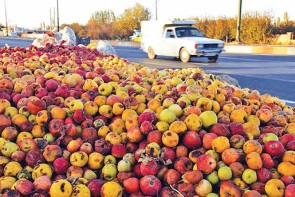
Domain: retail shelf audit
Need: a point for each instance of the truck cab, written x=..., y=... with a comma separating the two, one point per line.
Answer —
x=178, y=39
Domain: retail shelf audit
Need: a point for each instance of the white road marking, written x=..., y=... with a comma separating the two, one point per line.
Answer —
x=237, y=58
x=288, y=101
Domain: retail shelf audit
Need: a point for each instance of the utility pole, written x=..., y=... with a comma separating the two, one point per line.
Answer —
x=50, y=19
x=6, y=18
x=156, y=9
x=239, y=22
x=57, y=15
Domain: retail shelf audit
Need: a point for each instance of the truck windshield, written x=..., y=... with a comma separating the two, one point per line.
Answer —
x=188, y=32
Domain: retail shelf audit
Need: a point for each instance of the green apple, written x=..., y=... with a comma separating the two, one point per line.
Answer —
x=11, y=111
x=32, y=119
x=213, y=177
x=49, y=137
x=249, y=176
x=168, y=102
x=105, y=89
x=214, y=154
x=124, y=166
x=208, y=118
x=176, y=109
x=76, y=104
x=212, y=195
x=194, y=96
x=109, y=172
x=137, y=87
x=89, y=174
x=225, y=173
x=269, y=136
x=175, y=81
x=24, y=111
x=203, y=188
x=167, y=115
x=118, y=89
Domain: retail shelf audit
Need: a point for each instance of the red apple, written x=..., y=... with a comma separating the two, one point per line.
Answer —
x=236, y=128
x=258, y=186
x=95, y=187
x=192, y=140
x=150, y=185
x=33, y=157
x=267, y=161
x=102, y=146
x=34, y=106
x=187, y=189
x=220, y=129
x=291, y=145
x=89, y=135
x=131, y=185
x=263, y=175
x=288, y=137
x=183, y=164
x=228, y=188
x=25, y=187
x=51, y=85
x=118, y=150
x=274, y=148
x=149, y=168
x=206, y=163
x=60, y=165
x=171, y=177
x=147, y=116
x=207, y=140
x=288, y=180
x=290, y=190
x=146, y=127
x=168, y=154
x=154, y=136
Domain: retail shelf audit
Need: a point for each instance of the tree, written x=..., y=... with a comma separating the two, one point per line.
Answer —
x=92, y=30
x=286, y=17
x=131, y=18
x=104, y=16
x=77, y=28
x=221, y=28
x=256, y=27
x=101, y=25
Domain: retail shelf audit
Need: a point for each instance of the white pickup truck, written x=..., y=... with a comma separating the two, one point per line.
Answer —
x=177, y=38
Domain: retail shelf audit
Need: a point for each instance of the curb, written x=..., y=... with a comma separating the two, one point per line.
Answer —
x=277, y=50
x=248, y=49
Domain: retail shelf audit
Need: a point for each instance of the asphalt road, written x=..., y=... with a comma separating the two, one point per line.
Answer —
x=272, y=74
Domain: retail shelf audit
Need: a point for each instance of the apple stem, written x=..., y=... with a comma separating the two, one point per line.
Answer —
x=176, y=190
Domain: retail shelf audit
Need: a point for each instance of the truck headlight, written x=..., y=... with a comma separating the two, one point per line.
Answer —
x=221, y=45
x=199, y=46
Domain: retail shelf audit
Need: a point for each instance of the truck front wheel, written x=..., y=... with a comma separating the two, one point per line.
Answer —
x=151, y=53
x=184, y=55
x=213, y=59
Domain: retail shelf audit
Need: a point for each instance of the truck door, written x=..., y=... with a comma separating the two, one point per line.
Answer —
x=169, y=43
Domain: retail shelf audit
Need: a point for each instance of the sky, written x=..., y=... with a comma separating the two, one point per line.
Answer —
x=31, y=13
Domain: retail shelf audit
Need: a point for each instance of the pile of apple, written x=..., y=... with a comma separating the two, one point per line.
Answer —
x=76, y=122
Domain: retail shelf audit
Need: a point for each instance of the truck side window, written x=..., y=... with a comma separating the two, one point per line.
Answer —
x=169, y=33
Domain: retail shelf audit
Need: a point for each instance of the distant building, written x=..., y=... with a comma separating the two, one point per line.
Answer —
x=287, y=38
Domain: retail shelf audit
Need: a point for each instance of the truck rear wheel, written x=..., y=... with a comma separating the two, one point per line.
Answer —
x=213, y=59
x=184, y=55
x=151, y=53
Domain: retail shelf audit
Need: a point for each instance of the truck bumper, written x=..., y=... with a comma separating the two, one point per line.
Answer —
x=207, y=53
